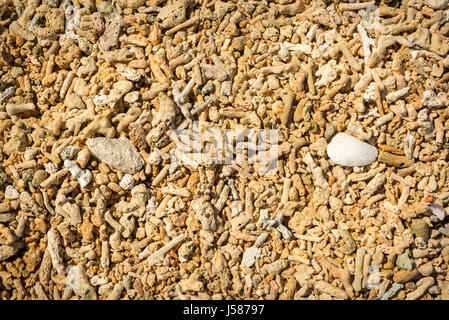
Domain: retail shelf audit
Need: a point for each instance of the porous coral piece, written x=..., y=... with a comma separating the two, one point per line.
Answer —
x=117, y=153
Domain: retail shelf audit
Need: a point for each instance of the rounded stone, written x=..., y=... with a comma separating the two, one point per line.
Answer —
x=426, y=270
x=69, y=152
x=39, y=176
x=346, y=150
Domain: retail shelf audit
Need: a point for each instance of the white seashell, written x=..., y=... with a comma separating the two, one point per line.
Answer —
x=349, y=151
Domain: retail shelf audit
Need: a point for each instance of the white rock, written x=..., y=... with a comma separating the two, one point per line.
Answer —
x=84, y=177
x=50, y=167
x=127, y=182
x=129, y=73
x=100, y=99
x=155, y=158
x=73, y=167
x=437, y=210
x=431, y=100
x=349, y=151
x=30, y=154
x=78, y=281
x=370, y=93
x=11, y=193
x=132, y=97
x=250, y=256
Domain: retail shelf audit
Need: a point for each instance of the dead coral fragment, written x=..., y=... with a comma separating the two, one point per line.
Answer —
x=117, y=153
x=13, y=109
x=394, y=160
x=205, y=213
x=291, y=9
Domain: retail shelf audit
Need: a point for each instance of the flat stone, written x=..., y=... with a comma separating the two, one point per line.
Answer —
x=117, y=153
x=349, y=151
